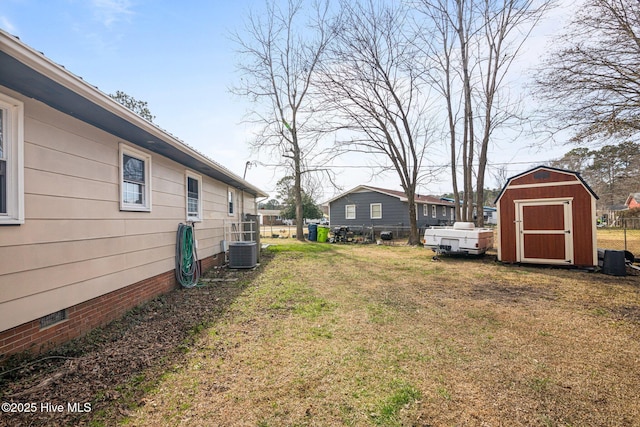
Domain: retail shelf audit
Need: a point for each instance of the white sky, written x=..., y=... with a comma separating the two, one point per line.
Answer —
x=177, y=56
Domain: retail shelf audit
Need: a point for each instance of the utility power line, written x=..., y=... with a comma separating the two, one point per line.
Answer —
x=492, y=164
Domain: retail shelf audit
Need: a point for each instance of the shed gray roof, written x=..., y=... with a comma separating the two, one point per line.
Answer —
x=32, y=74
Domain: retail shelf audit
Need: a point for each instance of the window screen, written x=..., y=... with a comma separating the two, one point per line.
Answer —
x=230, y=202
x=133, y=180
x=193, y=197
x=3, y=168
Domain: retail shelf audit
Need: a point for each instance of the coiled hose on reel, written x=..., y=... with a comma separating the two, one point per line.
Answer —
x=187, y=267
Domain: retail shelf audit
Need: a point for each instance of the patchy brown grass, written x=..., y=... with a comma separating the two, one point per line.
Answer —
x=113, y=367
x=355, y=335
x=378, y=335
x=614, y=238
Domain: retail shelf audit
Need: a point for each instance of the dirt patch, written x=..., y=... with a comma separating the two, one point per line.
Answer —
x=510, y=294
x=627, y=313
x=99, y=376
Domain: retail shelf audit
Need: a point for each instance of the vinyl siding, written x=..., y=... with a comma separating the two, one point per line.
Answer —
x=394, y=211
x=76, y=243
x=428, y=220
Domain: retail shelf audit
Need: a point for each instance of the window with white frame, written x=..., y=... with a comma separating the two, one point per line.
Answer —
x=135, y=179
x=434, y=211
x=194, y=196
x=375, y=210
x=425, y=210
x=444, y=211
x=350, y=212
x=453, y=214
x=3, y=166
x=230, y=200
x=11, y=161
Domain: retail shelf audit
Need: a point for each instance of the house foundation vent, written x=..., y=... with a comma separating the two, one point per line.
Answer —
x=53, y=318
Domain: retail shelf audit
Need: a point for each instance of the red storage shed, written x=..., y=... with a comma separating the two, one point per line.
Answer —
x=547, y=216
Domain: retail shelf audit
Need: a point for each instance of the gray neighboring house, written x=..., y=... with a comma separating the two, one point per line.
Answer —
x=366, y=206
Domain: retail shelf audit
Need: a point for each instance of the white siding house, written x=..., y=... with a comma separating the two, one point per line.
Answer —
x=91, y=196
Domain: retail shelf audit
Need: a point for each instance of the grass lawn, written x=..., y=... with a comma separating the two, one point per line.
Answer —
x=332, y=335
x=614, y=238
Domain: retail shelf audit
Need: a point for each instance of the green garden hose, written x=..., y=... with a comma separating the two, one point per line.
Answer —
x=187, y=267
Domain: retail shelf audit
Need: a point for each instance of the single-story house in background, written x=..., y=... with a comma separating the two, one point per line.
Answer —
x=633, y=201
x=91, y=199
x=547, y=216
x=490, y=215
x=372, y=206
x=270, y=217
x=610, y=215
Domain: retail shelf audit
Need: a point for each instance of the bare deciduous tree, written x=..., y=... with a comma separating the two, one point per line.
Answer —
x=280, y=52
x=592, y=82
x=372, y=86
x=612, y=171
x=474, y=43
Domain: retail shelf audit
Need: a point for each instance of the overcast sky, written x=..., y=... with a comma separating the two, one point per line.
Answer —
x=177, y=56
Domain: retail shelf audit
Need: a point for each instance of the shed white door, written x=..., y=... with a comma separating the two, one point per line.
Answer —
x=544, y=231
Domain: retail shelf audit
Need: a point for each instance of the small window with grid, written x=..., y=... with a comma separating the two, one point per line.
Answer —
x=194, y=197
x=350, y=212
x=135, y=174
x=376, y=210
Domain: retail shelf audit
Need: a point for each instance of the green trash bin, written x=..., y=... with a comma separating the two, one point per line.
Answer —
x=323, y=233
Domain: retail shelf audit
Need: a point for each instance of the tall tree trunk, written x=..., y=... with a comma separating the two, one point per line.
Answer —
x=486, y=36
x=453, y=145
x=297, y=188
x=414, y=235
x=469, y=142
x=468, y=136
x=279, y=66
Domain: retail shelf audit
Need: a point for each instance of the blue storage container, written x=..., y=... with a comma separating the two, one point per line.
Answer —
x=313, y=232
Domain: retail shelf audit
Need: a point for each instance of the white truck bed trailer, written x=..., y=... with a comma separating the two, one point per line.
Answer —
x=462, y=238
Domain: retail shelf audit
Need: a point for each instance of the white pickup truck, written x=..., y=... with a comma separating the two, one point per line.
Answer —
x=462, y=238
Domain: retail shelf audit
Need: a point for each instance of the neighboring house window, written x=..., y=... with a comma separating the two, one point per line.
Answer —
x=376, y=210
x=453, y=214
x=434, y=211
x=350, y=212
x=230, y=199
x=194, y=197
x=425, y=210
x=135, y=170
x=444, y=211
x=11, y=161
